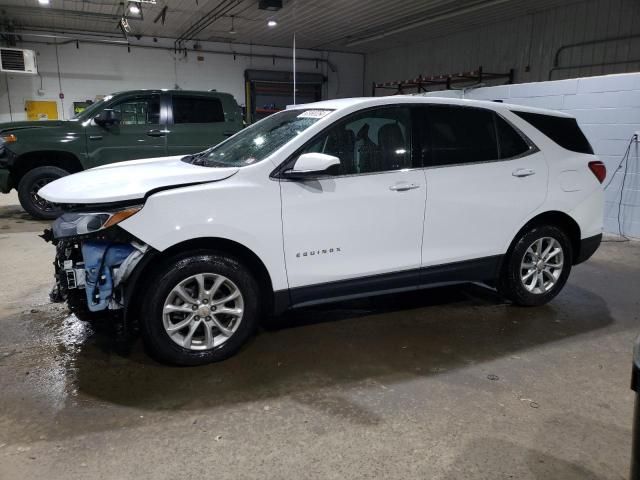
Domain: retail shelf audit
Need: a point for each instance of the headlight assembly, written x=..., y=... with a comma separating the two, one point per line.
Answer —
x=9, y=138
x=81, y=223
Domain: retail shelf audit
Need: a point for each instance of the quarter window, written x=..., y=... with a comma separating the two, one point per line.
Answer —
x=197, y=110
x=139, y=111
x=376, y=140
x=562, y=130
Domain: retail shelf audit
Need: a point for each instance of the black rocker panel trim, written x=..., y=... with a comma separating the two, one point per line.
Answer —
x=480, y=269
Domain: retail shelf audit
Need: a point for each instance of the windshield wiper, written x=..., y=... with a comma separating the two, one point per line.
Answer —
x=195, y=158
x=201, y=160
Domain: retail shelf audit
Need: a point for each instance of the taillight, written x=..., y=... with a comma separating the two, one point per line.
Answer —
x=599, y=170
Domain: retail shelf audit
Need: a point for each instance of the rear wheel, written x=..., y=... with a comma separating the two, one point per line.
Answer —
x=28, y=188
x=202, y=309
x=537, y=267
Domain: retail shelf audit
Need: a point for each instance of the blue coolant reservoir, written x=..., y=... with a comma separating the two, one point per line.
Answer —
x=99, y=260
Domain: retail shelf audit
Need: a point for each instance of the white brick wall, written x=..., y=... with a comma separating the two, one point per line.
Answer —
x=608, y=111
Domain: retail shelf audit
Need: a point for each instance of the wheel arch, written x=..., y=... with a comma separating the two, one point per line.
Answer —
x=558, y=219
x=152, y=263
x=44, y=158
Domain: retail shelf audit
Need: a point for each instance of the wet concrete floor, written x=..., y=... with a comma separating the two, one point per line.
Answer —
x=446, y=383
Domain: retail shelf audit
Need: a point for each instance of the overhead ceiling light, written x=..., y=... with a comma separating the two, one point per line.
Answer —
x=272, y=23
x=134, y=9
x=43, y=2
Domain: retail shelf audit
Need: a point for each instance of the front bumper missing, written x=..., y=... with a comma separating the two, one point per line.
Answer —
x=97, y=269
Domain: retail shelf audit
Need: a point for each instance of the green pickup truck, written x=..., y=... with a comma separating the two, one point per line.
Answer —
x=123, y=126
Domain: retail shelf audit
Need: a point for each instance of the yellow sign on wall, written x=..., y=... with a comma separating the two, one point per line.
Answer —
x=41, y=109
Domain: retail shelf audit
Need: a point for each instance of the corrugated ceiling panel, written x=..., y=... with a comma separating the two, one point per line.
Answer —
x=326, y=24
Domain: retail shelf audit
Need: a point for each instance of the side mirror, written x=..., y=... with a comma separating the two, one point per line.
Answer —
x=311, y=165
x=106, y=118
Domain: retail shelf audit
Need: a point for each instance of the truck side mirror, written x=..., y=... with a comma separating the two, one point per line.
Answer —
x=106, y=118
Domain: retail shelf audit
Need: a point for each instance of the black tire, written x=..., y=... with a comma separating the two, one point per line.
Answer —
x=30, y=183
x=158, y=342
x=510, y=283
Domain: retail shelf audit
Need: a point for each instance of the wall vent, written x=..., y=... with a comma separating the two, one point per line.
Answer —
x=17, y=60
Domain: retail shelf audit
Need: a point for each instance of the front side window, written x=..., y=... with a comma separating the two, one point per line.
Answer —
x=257, y=142
x=91, y=109
x=460, y=135
x=197, y=110
x=138, y=110
x=375, y=140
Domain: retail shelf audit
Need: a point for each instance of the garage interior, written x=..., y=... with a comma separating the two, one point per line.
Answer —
x=446, y=383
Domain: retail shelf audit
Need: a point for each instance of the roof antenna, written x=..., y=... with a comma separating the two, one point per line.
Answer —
x=294, y=68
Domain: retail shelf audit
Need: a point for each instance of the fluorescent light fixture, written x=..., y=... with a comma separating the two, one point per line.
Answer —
x=272, y=23
x=134, y=9
x=43, y=2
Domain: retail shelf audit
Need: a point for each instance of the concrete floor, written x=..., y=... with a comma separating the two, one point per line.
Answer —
x=442, y=384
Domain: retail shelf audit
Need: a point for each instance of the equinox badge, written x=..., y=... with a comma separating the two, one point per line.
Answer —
x=324, y=251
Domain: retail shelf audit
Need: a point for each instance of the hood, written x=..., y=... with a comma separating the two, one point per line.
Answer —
x=12, y=126
x=131, y=180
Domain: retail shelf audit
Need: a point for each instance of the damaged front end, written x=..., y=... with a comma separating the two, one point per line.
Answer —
x=94, y=259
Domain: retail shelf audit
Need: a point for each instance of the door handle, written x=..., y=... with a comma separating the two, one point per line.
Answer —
x=95, y=137
x=228, y=134
x=157, y=133
x=403, y=187
x=523, y=172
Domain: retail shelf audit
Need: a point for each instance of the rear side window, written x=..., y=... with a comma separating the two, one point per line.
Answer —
x=562, y=130
x=510, y=142
x=460, y=135
x=197, y=110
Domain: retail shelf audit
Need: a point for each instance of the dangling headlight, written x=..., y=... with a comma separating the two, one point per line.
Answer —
x=81, y=223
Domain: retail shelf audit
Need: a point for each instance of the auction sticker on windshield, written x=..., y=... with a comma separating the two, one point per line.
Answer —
x=314, y=113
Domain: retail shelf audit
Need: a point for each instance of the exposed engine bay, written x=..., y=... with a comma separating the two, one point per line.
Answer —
x=92, y=262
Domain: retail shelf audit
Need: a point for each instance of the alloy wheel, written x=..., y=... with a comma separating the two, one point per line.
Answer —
x=542, y=265
x=203, y=311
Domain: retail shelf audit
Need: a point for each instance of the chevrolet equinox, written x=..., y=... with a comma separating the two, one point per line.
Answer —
x=327, y=201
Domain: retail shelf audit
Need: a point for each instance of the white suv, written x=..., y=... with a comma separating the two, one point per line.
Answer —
x=328, y=201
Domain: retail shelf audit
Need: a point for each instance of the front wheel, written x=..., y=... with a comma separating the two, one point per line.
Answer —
x=537, y=266
x=201, y=309
x=28, y=188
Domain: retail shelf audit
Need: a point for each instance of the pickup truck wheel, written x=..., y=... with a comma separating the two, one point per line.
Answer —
x=28, y=187
x=201, y=309
x=537, y=267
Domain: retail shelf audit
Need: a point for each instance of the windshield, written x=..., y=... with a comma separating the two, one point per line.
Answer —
x=257, y=142
x=91, y=109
